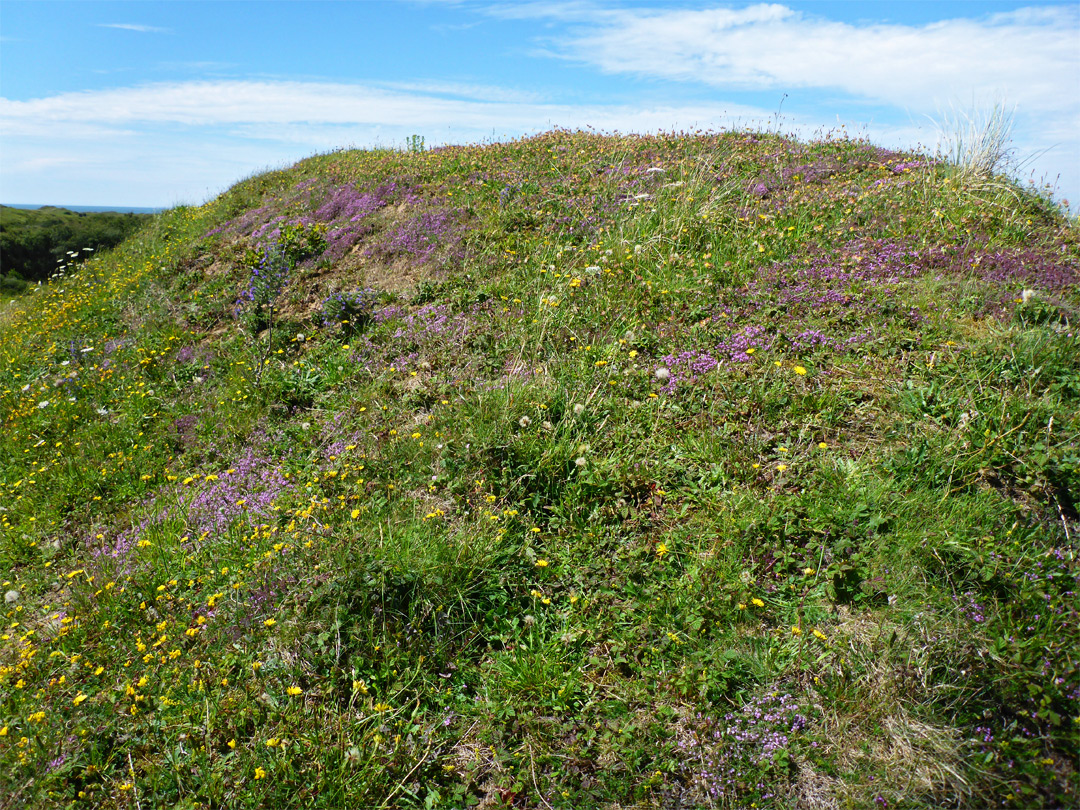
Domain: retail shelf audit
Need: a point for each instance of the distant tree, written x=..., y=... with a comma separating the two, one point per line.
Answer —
x=34, y=243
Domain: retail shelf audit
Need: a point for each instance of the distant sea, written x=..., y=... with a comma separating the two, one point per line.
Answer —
x=91, y=209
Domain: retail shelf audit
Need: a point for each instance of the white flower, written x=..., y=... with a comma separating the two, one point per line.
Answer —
x=579, y=409
x=662, y=374
x=43, y=404
x=581, y=461
x=524, y=421
x=1027, y=295
x=11, y=597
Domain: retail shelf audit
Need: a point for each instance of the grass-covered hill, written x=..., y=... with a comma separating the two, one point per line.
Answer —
x=581, y=471
x=37, y=243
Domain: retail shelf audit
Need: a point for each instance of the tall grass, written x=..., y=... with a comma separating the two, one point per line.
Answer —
x=978, y=144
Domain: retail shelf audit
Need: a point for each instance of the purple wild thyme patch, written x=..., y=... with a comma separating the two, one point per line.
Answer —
x=1007, y=271
x=688, y=366
x=244, y=493
x=735, y=758
x=247, y=491
x=422, y=235
x=342, y=209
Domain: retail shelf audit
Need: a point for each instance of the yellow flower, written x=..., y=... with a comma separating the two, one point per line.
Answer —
x=260, y=773
x=661, y=550
x=823, y=446
x=820, y=635
x=757, y=602
x=800, y=371
x=294, y=690
x=273, y=742
x=232, y=743
x=541, y=563
x=781, y=467
x=270, y=622
x=355, y=514
x=79, y=699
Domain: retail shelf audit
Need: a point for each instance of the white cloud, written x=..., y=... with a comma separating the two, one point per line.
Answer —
x=142, y=29
x=1030, y=57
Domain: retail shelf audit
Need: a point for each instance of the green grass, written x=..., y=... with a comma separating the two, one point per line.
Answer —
x=714, y=471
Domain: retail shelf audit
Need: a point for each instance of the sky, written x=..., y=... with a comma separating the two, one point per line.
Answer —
x=157, y=104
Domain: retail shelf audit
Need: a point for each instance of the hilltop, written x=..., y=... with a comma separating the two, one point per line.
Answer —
x=690, y=470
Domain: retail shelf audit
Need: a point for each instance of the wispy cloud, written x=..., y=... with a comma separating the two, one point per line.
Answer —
x=142, y=29
x=203, y=66
x=189, y=139
x=476, y=92
x=220, y=103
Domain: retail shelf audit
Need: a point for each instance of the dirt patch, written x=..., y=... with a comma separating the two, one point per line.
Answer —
x=400, y=275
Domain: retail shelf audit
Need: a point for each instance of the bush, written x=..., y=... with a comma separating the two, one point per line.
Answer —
x=12, y=285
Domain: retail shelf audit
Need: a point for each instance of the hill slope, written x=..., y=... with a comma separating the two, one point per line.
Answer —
x=700, y=470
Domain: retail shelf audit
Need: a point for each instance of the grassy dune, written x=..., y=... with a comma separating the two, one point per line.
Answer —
x=713, y=470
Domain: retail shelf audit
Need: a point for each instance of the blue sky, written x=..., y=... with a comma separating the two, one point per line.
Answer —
x=159, y=103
